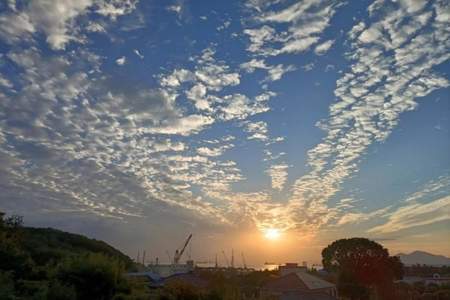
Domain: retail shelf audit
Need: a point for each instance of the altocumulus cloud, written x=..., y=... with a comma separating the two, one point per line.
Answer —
x=76, y=137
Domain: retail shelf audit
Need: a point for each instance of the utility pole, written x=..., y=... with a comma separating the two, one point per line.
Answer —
x=170, y=258
x=138, y=257
x=232, y=258
x=143, y=258
x=226, y=258
x=243, y=261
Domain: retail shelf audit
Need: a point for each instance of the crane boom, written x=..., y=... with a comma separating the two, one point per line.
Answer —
x=178, y=254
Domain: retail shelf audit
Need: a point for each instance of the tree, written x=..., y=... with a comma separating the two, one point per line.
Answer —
x=360, y=262
x=12, y=257
x=93, y=276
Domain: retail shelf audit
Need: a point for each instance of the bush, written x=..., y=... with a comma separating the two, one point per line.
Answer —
x=6, y=286
x=60, y=291
x=93, y=276
x=178, y=290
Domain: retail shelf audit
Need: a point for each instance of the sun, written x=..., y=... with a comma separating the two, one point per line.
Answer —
x=272, y=234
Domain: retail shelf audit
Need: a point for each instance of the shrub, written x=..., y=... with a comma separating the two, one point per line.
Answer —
x=93, y=276
x=60, y=291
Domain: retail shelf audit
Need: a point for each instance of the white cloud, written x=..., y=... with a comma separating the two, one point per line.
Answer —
x=253, y=64
x=121, y=61
x=57, y=20
x=306, y=21
x=216, y=76
x=416, y=214
x=184, y=125
x=324, y=47
x=198, y=95
x=359, y=217
x=14, y=27
x=5, y=82
x=175, y=8
x=138, y=53
x=115, y=8
x=207, y=151
x=379, y=87
x=224, y=26
x=276, y=72
x=278, y=175
x=239, y=106
x=258, y=130
x=95, y=27
x=435, y=187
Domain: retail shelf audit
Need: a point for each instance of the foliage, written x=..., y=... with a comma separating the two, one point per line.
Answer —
x=44, y=263
x=349, y=286
x=94, y=276
x=180, y=291
x=362, y=264
x=61, y=291
x=6, y=286
x=46, y=245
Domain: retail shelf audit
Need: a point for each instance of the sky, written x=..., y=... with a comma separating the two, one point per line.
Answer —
x=139, y=122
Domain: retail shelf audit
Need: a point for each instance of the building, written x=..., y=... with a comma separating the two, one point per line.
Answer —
x=294, y=283
x=288, y=268
x=435, y=279
x=171, y=269
x=438, y=280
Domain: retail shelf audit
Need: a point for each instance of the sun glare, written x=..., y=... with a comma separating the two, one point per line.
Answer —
x=272, y=234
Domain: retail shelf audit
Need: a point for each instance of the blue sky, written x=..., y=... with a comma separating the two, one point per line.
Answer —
x=141, y=121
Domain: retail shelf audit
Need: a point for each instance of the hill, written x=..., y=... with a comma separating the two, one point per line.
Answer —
x=48, y=244
x=424, y=258
x=46, y=263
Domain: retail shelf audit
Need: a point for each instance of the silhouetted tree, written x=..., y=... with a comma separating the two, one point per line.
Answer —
x=360, y=264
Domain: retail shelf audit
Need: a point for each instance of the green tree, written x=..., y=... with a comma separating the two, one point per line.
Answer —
x=12, y=256
x=360, y=262
x=59, y=291
x=7, y=290
x=94, y=276
x=178, y=290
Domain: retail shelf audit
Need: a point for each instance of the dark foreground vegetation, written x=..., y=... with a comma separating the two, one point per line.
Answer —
x=38, y=263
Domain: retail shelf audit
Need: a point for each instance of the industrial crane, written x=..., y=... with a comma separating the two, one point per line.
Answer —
x=179, y=253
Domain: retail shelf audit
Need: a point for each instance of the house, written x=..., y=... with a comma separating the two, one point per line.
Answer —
x=294, y=283
x=437, y=279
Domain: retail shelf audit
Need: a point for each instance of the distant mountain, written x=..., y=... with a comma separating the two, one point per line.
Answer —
x=424, y=258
